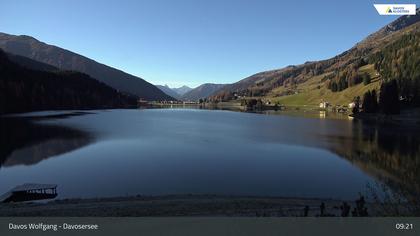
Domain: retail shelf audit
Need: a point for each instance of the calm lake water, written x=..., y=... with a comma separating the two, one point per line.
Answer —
x=181, y=151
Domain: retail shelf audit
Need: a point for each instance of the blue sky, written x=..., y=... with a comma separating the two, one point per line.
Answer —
x=191, y=42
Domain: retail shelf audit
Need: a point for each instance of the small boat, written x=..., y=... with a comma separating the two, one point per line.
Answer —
x=30, y=192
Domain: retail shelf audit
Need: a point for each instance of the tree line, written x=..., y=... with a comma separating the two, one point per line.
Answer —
x=23, y=90
x=342, y=79
x=388, y=101
x=400, y=61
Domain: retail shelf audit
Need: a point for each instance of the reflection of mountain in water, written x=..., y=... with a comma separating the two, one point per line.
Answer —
x=24, y=143
x=391, y=154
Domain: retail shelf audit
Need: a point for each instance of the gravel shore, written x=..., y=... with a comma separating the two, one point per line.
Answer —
x=176, y=205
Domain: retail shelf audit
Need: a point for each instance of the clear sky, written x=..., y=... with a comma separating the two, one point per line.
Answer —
x=191, y=42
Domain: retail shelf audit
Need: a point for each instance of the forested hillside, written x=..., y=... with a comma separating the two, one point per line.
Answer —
x=63, y=59
x=23, y=89
x=401, y=61
x=392, y=53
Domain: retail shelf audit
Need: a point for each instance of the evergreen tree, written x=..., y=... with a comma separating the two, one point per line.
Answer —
x=334, y=87
x=356, y=107
x=389, y=99
x=370, y=103
x=367, y=106
x=366, y=79
x=374, y=98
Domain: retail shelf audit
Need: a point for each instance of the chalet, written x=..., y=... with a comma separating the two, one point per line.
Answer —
x=324, y=105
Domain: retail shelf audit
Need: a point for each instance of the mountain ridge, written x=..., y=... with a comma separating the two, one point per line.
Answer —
x=201, y=92
x=182, y=90
x=24, y=89
x=65, y=59
x=169, y=91
x=281, y=85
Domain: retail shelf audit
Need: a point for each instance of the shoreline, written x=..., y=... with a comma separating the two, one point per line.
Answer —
x=406, y=117
x=178, y=205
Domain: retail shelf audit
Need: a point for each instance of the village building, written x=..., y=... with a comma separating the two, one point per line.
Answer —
x=324, y=105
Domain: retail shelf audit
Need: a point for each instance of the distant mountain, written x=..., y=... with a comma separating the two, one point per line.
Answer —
x=390, y=53
x=174, y=92
x=168, y=91
x=66, y=60
x=182, y=90
x=23, y=88
x=202, y=91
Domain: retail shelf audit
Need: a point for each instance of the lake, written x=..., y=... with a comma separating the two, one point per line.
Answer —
x=109, y=153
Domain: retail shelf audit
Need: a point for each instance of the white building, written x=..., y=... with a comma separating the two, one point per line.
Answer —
x=324, y=105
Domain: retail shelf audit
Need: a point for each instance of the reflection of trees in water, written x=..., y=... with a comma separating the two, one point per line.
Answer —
x=23, y=142
x=391, y=154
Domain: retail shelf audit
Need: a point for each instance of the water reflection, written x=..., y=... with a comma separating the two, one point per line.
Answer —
x=161, y=151
x=308, y=114
x=389, y=153
x=23, y=142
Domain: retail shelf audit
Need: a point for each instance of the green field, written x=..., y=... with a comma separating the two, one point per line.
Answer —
x=314, y=91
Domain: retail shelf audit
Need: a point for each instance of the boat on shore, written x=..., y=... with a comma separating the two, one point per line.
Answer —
x=30, y=192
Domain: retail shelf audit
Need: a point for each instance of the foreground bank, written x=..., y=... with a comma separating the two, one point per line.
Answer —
x=185, y=205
